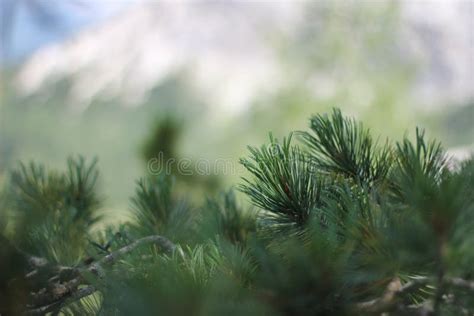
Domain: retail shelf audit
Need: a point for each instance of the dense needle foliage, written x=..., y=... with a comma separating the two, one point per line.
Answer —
x=339, y=225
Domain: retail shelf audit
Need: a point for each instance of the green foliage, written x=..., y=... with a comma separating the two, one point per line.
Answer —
x=54, y=210
x=156, y=211
x=422, y=159
x=285, y=184
x=341, y=145
x=423, y=185
x=394, y=212
x=340, y=227
x=302, y=278
x=223, y=217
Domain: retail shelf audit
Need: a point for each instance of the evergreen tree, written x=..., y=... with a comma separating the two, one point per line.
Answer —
x=340, y=225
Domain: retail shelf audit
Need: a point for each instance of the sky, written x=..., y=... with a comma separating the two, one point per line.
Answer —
x=27, y=25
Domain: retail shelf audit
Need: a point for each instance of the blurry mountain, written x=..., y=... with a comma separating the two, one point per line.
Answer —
x=230, y=48
x=224, y=43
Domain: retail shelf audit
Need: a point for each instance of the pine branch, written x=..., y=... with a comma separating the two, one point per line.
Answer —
x=56, y=306
x=343, y=146
x=163, y=242
x=336, y=218
x=420, y=158
x=395, y=292
x=284, y=184
x=156, y=211
x=54, y=210
x=59, y=286
x=224, y=217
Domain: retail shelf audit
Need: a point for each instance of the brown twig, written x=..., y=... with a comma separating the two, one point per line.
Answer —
x=461, y=283
x=389, y=300
x=56, y=306
x=63, y=288
x=163, y=242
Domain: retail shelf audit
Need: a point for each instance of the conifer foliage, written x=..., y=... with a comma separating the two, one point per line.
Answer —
x=339, y=224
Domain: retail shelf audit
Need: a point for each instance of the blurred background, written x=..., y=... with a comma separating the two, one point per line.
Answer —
x=125, y=80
